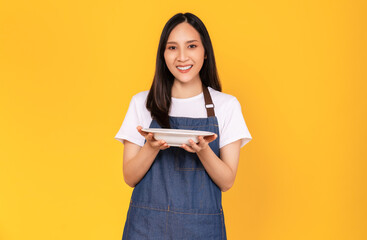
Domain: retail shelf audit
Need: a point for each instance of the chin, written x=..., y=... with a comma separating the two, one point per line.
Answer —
x=184, y=80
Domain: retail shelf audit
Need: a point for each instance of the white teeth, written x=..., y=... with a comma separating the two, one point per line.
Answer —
x=184, y=68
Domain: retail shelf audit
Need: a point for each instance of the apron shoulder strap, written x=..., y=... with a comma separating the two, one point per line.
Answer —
x=208, y=102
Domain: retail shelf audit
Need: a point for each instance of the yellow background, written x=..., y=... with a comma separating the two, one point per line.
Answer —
x=68, y=70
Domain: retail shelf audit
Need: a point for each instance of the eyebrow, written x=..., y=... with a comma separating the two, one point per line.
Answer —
x=186, y=42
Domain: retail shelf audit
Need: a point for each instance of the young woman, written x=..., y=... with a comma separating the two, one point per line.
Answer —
x=177, y=190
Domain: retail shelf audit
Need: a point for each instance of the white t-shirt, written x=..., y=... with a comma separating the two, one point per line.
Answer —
x=227, y=109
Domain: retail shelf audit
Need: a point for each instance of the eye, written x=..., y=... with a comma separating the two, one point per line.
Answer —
x=171, y=47
x=192, y=45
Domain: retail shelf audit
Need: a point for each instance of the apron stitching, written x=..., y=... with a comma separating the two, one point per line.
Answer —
x=169, y=210
x=195, y=126
x=165, y=234
x=189, y=169
x=198, y=126
x=150, y=208
x=222, y=218
x=202, y=181
x=196, y=213
x=128, y=223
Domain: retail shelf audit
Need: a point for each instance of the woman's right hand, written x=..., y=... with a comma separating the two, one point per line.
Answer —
x=153, y=143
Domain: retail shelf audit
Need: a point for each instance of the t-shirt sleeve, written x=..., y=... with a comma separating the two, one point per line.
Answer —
x=234, y=127
x=128, y=129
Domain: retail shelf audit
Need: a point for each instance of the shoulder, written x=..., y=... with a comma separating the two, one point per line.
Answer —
x=141, y=97
x=223, y=100
x=140, y=100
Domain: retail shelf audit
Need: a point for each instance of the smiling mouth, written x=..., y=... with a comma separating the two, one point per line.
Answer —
x=184, y=68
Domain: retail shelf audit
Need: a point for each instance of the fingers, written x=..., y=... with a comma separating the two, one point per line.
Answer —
x=147, y=136
x=192, y=147
x=139, y=128
x=164, y=146
x=157, y=144
x=150, y=137
x=187, y=148
x=211, y=138
x=202, y=144
x=161, y=144
x=197, y=146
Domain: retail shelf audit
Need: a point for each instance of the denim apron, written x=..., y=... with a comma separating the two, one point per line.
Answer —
x=177, y=199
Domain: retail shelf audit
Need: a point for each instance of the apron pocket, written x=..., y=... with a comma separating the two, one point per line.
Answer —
x=184, y=226
x=144, y=223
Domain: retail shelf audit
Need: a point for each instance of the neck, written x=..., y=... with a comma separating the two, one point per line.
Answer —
x=186, y=90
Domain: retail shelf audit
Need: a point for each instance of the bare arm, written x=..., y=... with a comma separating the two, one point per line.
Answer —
x=137, y=160
x=222, y=171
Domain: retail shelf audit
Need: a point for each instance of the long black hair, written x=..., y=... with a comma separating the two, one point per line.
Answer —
x=159, y=97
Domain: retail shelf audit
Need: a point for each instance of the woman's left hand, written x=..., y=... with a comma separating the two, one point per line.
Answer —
x=201, y=145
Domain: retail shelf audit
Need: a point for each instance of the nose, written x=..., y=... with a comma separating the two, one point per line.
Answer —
x=182, y=55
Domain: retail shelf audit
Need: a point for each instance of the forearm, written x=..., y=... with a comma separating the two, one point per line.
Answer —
x=135, y=168
x=218, y=170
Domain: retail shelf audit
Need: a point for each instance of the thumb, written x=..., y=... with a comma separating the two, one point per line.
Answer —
x=211, y=138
